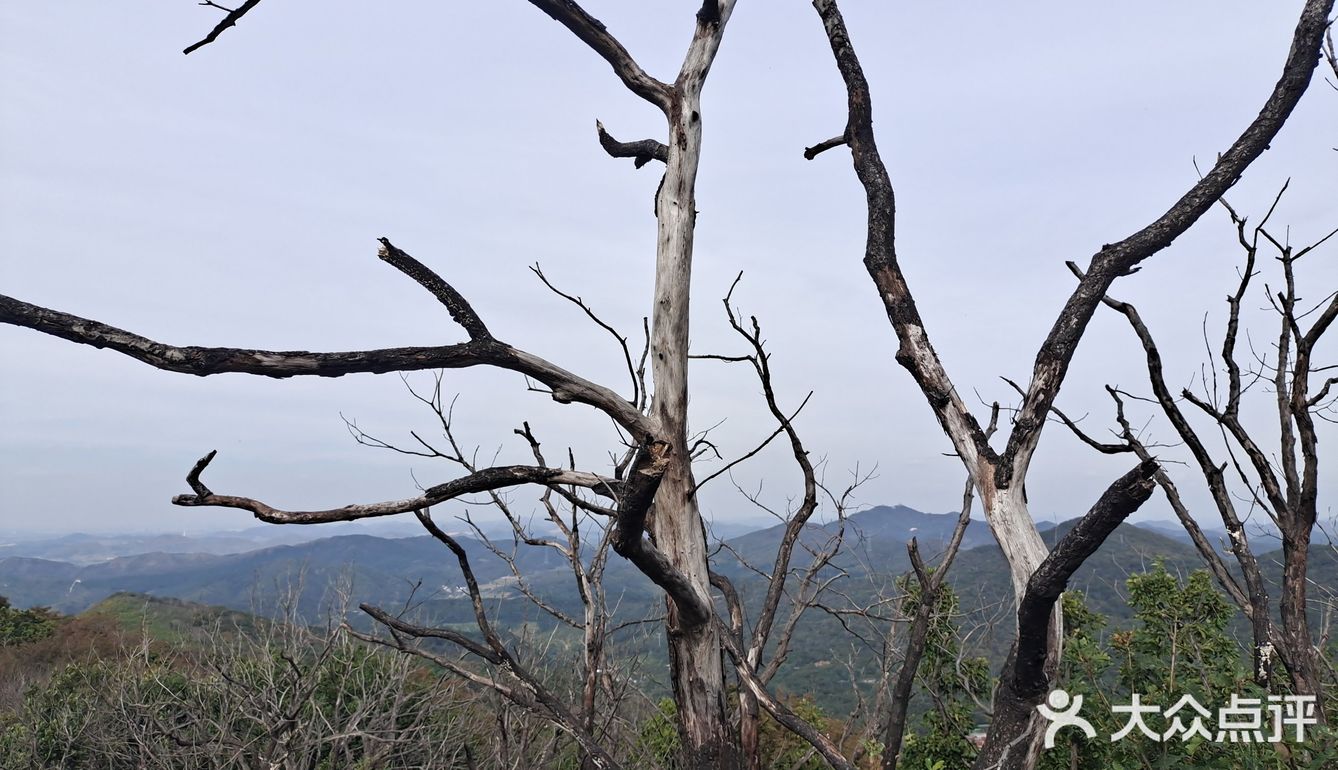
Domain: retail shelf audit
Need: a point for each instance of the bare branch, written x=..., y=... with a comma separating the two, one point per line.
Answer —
x=1024, y=677
x=481, y=481
x=778, y=711
x=455, y=303
x=637, y=381
x=234, y=15
x=931, y=584
x=1099, y=446
x=641, y=152
x=1121, y=499
x=812, y=152
x=1206, y=550
x=763, y=445
x=593, y=33
x=481, y=350
x=1213, y=476
x=1123, y=257
x=915, y=353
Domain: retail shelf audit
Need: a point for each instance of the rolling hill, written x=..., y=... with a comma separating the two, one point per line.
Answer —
x=419, y=572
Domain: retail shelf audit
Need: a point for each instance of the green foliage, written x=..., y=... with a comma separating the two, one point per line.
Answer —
x=947, y=679
x=23, y=626
x=172, y=620
x=782, y=748
x=658, y=739
x=1178, y=645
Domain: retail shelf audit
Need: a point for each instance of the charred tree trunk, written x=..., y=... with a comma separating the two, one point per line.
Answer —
x=1300, y=652
x=1011, y=743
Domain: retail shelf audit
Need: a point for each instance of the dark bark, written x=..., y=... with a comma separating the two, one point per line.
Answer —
x=900, y=702
x=829, y=751
x=529, y=692
x=230, y=20
x=812, y=152
x=1257, y=593
x=594, y=34
x=1287, y=490
x=1025, y=678
x=1255, y=604
x=916, y=353
x=204, y=361
x=483, y=480
x=642, y=152
x=765, y=637
x=1123, y=257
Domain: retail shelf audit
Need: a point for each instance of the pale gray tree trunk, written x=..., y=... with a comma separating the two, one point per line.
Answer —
x=694, y=647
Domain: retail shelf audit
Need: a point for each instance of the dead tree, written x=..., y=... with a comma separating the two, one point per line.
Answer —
x=511, y=678
x=583, y=537
x=658, y=471
x=999, y=476
x=280, y=694
x=783, y=603
x=1283, y=484
x=1252, y=598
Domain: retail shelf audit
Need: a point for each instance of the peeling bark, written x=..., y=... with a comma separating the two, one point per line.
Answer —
x=1012, y=742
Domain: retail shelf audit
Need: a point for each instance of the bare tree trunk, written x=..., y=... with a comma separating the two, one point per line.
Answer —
x=1016, y=533
x=1300, y=648
x=1288, y=493
x=1012, y=742
x=694, y=646
x=750, y=738
x=1000, y=476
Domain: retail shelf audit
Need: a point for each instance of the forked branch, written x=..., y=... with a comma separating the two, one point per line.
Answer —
x=531, y=693
x=483, y=480
x=1024, y=677
x=594, y=34
x=233, y=16
x=1052, y=360
x=481, y=350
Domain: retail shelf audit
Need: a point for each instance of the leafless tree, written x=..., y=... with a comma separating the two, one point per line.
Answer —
x=652, y=490
x=583, y=536
x=658, y=470
x=1283, y=484
x=653, y=477
x=999, y=477
x=783, y=602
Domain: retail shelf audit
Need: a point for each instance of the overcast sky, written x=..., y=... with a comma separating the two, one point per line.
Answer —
x=234, y=197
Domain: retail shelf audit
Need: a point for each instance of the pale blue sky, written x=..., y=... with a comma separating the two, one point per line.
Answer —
x=233, y=197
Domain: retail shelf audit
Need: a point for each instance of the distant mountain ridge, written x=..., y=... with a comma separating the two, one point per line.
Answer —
x=418, y=573
x=84, y=548
x=390, y=570
x=380, y=569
